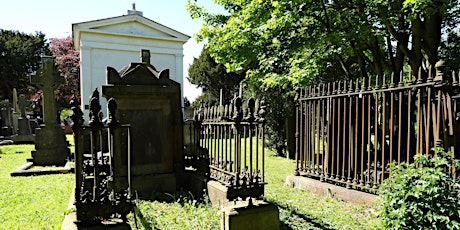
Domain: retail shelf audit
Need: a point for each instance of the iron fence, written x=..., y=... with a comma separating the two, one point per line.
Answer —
x=102, y=165
x=348, y=132
x=233, y=137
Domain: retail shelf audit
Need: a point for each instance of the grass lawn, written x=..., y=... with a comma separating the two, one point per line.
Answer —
x=40, y=202
x=35, y=202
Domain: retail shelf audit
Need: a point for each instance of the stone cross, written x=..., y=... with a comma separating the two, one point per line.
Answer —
x=49, y=81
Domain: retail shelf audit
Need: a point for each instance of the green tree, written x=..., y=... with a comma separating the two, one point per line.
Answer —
x=212, y=77
x=19, y=57
x=288, y=42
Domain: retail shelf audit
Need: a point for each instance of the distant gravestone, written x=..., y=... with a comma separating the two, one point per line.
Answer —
x=7, y=119
x=151, y=103
x=16, y=113
x=24, y=131
x=50, y=142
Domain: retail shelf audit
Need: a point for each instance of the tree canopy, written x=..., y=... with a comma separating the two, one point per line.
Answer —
x=295, y=42
x=19, y=57
x=212, y=77
x=67, y=60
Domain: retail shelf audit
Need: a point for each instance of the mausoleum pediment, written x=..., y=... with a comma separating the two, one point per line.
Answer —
x=128, y=25
x=134, y=28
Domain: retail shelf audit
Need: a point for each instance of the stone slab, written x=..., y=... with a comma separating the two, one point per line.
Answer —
x=327, y=189
x=261, y=215
x=25, y=170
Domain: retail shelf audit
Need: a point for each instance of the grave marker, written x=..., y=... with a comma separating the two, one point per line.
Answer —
x=50, y=144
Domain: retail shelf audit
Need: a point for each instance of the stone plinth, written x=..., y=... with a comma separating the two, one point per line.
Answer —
x=260, y=215
x=151, y=103
x=50, y=146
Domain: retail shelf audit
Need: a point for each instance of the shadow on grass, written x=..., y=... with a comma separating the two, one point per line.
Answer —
x=287, y=223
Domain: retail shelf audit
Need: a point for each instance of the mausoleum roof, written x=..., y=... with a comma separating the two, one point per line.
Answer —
x=133, y=25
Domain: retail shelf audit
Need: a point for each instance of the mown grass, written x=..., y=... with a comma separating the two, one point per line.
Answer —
x=35, y=202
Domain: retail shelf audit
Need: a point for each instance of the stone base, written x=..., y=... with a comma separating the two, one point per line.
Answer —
x=148, y=186
x=327, y=189
x=23, y=139
x=218, y=194
x=223, y=196
x=261, y=216
x=27, y=170
x=50, y=146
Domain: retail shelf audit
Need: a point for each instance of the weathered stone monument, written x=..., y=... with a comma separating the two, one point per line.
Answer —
x=24, y=134
x=151, y=103
x=7, y=119
x=50, y=142
x=16, y=111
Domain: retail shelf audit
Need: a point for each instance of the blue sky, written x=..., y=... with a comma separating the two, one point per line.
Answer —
x=55, y=17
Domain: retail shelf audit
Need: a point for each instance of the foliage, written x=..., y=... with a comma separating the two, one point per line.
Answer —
x=284, y=42
x=184, y=212
x=422, y=194
x=212, y=77
x=67, y=60
x=280, y=107
x=19, y=57
x=205, y=99
x=34, y=202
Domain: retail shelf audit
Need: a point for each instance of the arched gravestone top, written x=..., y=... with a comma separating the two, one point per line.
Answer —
x=139, y=74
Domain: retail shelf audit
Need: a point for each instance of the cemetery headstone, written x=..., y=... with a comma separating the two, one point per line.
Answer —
x=24, y=131
x=50, y=141
x=7, y=119
x=151, y=103
x=16, y=113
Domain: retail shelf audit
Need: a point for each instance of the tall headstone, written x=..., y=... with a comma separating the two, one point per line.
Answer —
x=16, y=113
x=24, y=131
x=50, y=141
x=151, y=103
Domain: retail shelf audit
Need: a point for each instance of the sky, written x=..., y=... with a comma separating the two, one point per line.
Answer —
x=54, y=18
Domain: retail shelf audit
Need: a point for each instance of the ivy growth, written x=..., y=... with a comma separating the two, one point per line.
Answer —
x=423, y=194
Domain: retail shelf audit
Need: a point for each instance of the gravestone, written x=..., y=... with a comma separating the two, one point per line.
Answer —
x=50, y=141
x=24, y=131
x=151, y=103
x=7, y=119
x=16, y=113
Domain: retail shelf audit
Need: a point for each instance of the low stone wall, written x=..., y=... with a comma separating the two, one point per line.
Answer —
x=327, y=189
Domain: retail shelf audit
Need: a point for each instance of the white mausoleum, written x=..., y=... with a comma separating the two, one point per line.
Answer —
x=116, y=42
